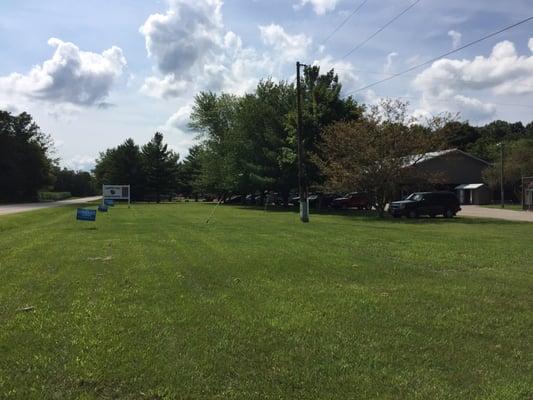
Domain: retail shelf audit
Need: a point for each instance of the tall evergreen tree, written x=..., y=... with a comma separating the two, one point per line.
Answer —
x=25, y=162
x=122, y=165
x=160, y=167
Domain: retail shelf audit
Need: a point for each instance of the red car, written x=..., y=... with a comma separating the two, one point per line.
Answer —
x=353, y=200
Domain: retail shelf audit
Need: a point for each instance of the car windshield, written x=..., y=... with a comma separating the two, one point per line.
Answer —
x=415, y=197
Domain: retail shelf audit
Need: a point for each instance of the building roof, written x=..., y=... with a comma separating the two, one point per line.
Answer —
x=420, y=158
x=469, y=186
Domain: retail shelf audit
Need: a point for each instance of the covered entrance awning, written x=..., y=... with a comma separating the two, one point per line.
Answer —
x=473, y=193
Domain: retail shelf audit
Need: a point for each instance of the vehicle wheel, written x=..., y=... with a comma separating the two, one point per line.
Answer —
x=449, y=214
x=412, y=214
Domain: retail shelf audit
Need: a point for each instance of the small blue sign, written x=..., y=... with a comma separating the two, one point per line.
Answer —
x=102, y=208
x=83, y=214
x=109, y=202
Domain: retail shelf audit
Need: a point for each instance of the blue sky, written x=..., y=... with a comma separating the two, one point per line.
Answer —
x=94, y=73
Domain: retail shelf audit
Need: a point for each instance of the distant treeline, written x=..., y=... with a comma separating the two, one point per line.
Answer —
x=27, y=165
x=248, y=145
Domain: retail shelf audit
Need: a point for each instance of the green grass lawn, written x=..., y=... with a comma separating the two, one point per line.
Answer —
x=153, y=303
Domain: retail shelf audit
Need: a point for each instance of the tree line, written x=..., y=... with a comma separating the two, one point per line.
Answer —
x=28, y=165
x=248, y=145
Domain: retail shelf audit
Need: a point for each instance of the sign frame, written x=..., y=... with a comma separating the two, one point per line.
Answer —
x=116, y=192
x=85, y=214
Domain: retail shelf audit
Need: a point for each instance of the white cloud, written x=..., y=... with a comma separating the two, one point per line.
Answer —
x=319, y=6
x=165, y=87
x=503, y=72
x=81, y=163
x=184, y=36
x=345, y=69
x=194, y=52
x=179, y=120
x=456, y=38
x=291, y=47
x=390, y=59
x=70, y=76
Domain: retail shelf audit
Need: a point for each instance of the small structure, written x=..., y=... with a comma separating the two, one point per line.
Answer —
x=528, y=200
x=473, y=193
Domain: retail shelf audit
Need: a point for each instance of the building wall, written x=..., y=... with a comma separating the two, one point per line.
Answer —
x=453, y=168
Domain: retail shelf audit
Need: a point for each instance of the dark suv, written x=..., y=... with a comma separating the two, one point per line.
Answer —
x=426, y=203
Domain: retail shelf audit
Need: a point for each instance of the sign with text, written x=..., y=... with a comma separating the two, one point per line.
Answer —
x=83, y=214
x=102, y=208
x=109, y=202
x=117, y=192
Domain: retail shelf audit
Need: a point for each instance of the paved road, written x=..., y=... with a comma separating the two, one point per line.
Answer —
x=497, y=213
x=17, y=208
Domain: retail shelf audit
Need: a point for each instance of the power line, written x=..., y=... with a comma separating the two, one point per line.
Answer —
x=443, y=55
x=344, y=22
x=435, y=99
x=361, y=44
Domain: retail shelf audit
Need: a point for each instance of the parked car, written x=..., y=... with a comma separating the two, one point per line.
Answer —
x=236, y=199
x=353, y=200
x=426, y=203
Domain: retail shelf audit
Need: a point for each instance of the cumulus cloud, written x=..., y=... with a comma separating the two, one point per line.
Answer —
x=81, y=163
x=193, y=51
x=285, y=45
x=70, y=76
x=183, y=36
x=345, y=69
x=319, y=6
x=503, y=72
x=180, y=120
x=165, y=87
x=456, y=38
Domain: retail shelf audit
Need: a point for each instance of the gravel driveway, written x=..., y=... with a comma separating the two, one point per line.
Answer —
x=17, y=208
x=497, y=213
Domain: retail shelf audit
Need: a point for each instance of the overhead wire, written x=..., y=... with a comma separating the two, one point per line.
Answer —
x=373, y=35
x=432, y=60
x=338, y=27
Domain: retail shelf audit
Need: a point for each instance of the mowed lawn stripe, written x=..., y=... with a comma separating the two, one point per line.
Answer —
x=156, y=303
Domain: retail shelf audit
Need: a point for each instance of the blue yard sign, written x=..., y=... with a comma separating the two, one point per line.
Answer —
x=102, y=208
x=83, y=214
x=109, y=202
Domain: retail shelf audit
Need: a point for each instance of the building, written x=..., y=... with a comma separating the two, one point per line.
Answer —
x=453, y=170
x=528, y=200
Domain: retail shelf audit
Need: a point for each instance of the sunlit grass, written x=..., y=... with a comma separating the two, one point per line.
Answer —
x=152, y=302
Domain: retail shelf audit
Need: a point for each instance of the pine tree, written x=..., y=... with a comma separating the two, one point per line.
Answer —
x=160, y=167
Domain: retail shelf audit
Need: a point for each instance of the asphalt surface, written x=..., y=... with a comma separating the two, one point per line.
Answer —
x=18, y=208
x=496, y=213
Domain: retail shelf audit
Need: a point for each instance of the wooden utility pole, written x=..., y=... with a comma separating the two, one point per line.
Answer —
x=302, y=190
x=502, y=190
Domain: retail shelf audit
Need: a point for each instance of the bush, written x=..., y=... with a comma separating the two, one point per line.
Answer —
x=54, y=196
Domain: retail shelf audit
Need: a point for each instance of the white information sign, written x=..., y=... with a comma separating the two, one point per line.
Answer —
x=116, y=192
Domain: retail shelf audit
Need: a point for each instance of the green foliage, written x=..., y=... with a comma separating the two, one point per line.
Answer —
x=122, y=165
x=78, y=183
x=154, y=304
x=25, y=162
x=518, y=162
x=370, y=154
x=160, y=167
x=249, y=142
